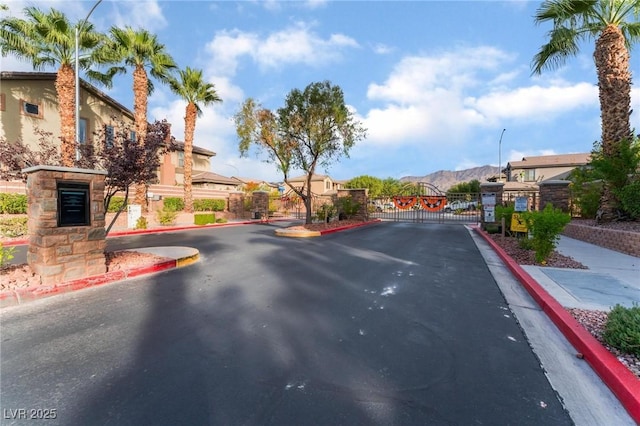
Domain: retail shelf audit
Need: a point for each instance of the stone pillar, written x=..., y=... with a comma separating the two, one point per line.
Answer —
x=260, y=205
x=236, y=204
x=555, y=192
x=487, y=190
x=66, y=223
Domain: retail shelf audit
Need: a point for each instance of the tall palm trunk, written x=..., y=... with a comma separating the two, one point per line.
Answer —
x=189, y=128
x=614, y=83
x=140, y=95
x=65, y=88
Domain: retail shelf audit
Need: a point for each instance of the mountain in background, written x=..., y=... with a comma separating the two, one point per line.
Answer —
x=445, y=179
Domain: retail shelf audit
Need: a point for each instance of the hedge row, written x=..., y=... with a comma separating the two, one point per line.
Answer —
x=17, y=204
x=13, y=204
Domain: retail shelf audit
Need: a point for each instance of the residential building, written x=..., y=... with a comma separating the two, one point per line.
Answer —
x=547, y=167
x=28, y=102
x=210, y=180
x=320, y=184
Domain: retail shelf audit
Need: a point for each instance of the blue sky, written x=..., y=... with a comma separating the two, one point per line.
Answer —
x=434, y=82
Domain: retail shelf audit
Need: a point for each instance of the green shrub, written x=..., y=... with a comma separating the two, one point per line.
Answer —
x=141, y=223
x=204, y=218
x=13, y=203
x=325, y=212
x=174, y=204
x=348, y=206
x=13, y=227
x=622, y=330
x=505, y=212
x=166, y=217
x=115, y=204
x=629, y=197
x=209, y=205
x=6, y=254
x=545, y=227
x=221, y=220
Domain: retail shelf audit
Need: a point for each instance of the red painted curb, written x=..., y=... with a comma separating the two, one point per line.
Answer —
x=342, y=228
x=18, y=297
x=613, y=373
x=167, y=264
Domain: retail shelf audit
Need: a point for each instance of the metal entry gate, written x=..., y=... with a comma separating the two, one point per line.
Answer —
x=424, y=202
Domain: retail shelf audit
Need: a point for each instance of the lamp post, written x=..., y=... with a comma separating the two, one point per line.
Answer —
x=77, y=70
x=500, y=157
x=231, y=165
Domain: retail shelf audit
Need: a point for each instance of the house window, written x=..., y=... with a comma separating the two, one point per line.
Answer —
x=132, y=136
x=108, y=136
x=180, y=159
x=30, y=108
x=530, y=175
x=82, y=135
x=327, y=185
x=2, y=102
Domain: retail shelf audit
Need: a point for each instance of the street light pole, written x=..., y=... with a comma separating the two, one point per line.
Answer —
x=500, y=157
x=77, y=70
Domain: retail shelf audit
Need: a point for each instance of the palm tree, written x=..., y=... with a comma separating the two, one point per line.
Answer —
x=140, y=50
x=48, y=39
x=196, y=92
x=609, y=23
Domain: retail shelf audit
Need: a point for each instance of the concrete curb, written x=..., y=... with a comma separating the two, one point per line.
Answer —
x=21, y=296
x=299, y=233
x=613, y=373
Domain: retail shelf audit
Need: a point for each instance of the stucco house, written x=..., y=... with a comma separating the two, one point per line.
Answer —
x=28, y=101
x=320, y=184
x=547, y=167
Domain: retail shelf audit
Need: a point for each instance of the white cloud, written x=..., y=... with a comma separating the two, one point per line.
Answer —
x=382, y=49
x=294, y=45
x=534, y=102
x=140, y=14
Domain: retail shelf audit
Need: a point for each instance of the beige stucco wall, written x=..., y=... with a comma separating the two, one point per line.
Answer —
x=542, y=173
x=15, y=125
x=318, y=186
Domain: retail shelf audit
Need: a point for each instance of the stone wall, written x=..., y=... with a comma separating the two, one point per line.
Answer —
x=63, y=253
x=260, y=205
x=359, y=196
x=623, y=241
x=556, y=193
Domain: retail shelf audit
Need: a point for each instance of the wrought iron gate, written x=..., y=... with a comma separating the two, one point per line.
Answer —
x=426, y=203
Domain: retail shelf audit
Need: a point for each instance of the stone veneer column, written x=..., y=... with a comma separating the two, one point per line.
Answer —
x=260, y=203
x=358, y=196
x=236, y=204
x=64, y=253
x=556, y=193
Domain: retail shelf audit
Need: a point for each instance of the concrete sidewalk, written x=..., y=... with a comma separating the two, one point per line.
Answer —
x=612, y=278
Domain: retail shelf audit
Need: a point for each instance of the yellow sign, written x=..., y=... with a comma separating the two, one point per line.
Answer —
x=518, y=224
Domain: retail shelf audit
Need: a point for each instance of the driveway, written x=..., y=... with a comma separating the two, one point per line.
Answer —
x=396, y=323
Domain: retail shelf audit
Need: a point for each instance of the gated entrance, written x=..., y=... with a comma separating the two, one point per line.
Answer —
x=423, y=202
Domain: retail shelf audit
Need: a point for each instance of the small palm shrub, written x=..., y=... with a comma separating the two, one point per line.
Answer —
x=166, y=217
x=141, y=223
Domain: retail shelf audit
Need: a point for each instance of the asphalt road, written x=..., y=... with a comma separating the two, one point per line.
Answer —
x=395, y=323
